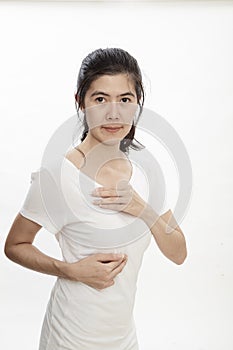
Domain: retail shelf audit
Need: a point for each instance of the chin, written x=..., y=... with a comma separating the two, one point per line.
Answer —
x=109, y=138
x=112, y=141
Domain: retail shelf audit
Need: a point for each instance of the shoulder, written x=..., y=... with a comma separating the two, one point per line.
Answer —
x=75, y=157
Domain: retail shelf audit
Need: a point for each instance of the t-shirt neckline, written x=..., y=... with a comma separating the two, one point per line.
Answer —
x=90, y=179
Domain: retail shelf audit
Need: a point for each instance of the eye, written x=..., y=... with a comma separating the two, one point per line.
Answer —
x=100, y=99
x=125, y=99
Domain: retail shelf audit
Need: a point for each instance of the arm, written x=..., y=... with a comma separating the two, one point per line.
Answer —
x=97, y=270
x=173, y=244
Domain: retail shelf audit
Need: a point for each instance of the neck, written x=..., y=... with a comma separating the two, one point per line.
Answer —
x=98, y=153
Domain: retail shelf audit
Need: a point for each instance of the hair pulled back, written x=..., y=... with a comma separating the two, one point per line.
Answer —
x=110, y=61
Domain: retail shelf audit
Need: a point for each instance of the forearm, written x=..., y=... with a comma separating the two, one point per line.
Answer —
x=172, y=244
x=30, y=257
x=97, y=270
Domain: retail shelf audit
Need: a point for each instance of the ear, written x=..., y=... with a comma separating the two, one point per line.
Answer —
x=77, y=99
x=76, y=96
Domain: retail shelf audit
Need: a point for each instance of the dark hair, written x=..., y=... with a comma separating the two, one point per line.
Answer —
x=110, y=61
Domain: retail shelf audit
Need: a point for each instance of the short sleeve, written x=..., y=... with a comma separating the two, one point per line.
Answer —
x=43, y=203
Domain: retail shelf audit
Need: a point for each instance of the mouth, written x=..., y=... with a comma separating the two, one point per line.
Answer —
x=112, y=129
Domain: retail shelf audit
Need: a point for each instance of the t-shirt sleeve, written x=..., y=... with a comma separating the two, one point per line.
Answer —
x=42, y=203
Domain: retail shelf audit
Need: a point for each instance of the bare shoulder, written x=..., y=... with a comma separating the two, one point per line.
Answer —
x=75, y=157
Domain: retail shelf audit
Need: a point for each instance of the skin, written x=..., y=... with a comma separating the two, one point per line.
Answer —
x=100, y=148
x=126, y=199
x=109, y=167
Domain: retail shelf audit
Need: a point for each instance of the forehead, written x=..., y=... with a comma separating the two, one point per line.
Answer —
x=112, y=84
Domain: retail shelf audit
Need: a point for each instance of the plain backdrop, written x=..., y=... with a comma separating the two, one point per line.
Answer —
x=185, y=50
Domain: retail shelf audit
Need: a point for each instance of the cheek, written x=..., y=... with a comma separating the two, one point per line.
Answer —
x=93, y=122
x=94, y=116
x=127, y=128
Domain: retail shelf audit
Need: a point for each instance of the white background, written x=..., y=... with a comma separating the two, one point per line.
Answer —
x=185, y=51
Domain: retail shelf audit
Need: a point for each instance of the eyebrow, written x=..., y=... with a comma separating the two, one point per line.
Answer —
x=128, y=93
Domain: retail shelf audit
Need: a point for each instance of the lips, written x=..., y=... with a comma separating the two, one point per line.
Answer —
x=112, y=128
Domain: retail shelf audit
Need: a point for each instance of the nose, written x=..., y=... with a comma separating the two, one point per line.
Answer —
x=113, y=111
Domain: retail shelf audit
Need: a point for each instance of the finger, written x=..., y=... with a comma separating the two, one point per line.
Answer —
x=106, y=257
x=109, y=284
x=115, y=207
x=112, y=265
x=108, y=193
x=108, y=200
x=117, y=270
x=113, y=200
x=100, y=192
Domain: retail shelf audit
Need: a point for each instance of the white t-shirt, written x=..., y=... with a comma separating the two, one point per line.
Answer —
x=78, y=316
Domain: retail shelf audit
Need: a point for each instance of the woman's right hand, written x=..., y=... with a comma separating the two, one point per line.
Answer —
x=97, y=270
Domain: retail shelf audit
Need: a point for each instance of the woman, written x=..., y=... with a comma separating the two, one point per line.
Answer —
x=103, y=236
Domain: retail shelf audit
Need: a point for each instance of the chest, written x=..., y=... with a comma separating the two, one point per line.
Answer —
x=111, y=174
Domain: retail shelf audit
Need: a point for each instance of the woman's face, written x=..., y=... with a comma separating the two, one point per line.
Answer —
x=110, y=106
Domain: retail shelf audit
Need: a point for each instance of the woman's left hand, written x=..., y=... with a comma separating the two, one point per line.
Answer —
x=124, y=199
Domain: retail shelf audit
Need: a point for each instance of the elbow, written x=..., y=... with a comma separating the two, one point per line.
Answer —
x=179, y=260
x=180, y=257
x=182, y=253
x=7, y=251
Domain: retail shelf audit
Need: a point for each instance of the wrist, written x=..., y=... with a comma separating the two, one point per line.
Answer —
x=149, y=216
x=63, y=269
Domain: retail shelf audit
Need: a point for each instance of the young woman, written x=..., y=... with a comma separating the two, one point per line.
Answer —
x=105, y=225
